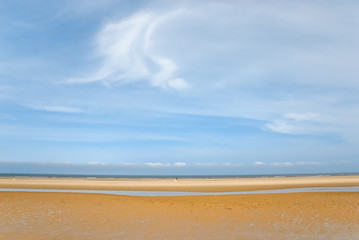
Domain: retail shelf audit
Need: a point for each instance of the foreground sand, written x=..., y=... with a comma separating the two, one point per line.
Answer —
x=30, y=216
x=97, y=216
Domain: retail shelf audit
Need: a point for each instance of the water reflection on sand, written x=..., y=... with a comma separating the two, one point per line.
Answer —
x=170, y=193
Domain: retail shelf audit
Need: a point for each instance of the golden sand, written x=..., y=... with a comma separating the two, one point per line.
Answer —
x=261, y=216
x=188, y=185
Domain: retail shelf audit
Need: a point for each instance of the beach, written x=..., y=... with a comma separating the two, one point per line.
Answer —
x=30, y=215
x=182, y=184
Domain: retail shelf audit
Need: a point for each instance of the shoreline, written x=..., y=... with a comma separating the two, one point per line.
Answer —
x=194, y=176
x=180, y=185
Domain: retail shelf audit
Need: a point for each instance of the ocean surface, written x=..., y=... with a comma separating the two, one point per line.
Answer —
x=170, y=176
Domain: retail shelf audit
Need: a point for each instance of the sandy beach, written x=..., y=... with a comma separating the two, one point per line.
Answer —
x=26, y=215
x=184, y=184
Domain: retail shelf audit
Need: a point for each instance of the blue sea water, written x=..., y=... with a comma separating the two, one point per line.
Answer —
x=170, y=176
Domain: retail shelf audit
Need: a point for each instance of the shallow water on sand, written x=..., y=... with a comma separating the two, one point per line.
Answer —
x=169, y=193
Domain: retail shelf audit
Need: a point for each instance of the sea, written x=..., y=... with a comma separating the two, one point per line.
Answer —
x=50, y=175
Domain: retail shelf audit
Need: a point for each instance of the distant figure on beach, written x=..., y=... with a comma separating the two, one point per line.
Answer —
x=176, y=180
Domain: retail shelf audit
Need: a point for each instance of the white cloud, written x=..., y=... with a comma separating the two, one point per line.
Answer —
x=206, y=164
x=178, y=83
x=302, y=116
x=294, y=123
x=180, y=164
x=288, y=164
x=125, y=47
x=280, y=126
x=157, y=164
x=282, y=164
x=218, y=164
x=309, y=163
x=63, y=109
x=259, y=163
x=121, y=164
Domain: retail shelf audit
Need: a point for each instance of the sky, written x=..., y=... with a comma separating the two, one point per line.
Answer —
x=179, y=87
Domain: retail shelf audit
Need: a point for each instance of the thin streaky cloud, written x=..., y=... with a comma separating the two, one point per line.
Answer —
x=297, y=123
x=280, y=126
x=125, y=50
x=302, y=116
x=63, y=109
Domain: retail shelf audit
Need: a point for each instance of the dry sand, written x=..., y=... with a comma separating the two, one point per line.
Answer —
x=188, y=185
x=262, y=216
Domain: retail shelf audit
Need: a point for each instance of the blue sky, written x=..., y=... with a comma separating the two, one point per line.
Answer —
x=179, y=87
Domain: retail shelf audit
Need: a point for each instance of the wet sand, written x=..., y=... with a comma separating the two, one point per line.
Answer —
x=29, y=215
x=186, y=185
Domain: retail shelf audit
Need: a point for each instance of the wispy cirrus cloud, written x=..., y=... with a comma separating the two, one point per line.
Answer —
x=293, y=123
x=125, y=49
x=302, y=116
x=57, y=108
